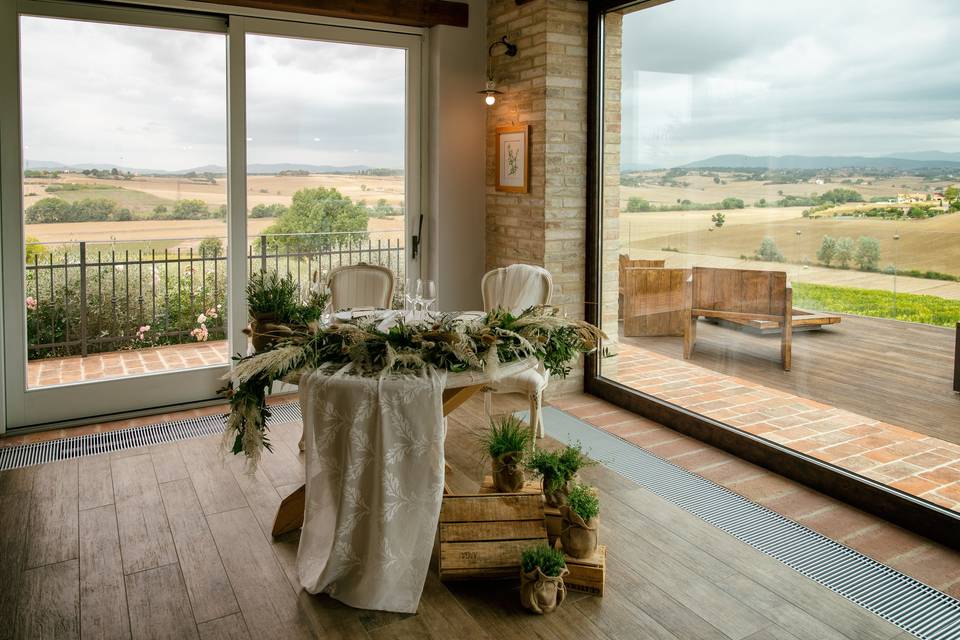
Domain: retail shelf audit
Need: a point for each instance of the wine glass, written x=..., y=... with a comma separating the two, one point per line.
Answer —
x=428, y=293
x=412, y=294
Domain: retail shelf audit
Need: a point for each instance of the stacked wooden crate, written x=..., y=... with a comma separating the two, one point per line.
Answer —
x=482, y=536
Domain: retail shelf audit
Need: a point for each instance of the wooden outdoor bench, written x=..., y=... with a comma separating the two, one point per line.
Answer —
x=741, y=296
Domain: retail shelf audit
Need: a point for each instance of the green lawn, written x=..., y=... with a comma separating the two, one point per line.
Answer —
x=877, y=304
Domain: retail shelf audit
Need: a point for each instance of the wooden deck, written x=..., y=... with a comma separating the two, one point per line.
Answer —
x=897, y=372
x=168, y=541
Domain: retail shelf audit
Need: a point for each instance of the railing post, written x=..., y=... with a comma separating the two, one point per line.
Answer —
x=83, y=298
x=263, y=253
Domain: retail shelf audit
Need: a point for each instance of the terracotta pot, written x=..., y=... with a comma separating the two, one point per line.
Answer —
x=508, y=472
x=578, y=537
x=558, y=498
x=541, y=593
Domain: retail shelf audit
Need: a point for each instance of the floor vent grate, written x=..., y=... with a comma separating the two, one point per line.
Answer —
x=913, y=606
x=25, y=455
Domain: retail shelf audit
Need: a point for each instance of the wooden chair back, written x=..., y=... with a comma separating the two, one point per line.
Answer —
x=361, y=285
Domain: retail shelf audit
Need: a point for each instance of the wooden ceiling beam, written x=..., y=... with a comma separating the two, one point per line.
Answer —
x=411, y=13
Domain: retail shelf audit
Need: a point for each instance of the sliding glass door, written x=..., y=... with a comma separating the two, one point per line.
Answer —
x=162, y=158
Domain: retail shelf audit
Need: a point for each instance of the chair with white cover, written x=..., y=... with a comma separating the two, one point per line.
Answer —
x=517, y=288
x=360, y=286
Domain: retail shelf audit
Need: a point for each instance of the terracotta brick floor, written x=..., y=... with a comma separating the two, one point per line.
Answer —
x=54, y=371
x=912, y=462
x=914, y=555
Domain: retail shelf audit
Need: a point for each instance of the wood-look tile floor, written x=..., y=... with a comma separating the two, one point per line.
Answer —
x=173, y=541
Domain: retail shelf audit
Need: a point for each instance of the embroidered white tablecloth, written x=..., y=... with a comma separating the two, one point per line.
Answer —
x=375, y=467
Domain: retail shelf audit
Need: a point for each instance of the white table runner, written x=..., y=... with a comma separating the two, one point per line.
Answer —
x=375, y=467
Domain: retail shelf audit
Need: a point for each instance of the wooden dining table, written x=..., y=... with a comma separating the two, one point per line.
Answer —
x=459, y=388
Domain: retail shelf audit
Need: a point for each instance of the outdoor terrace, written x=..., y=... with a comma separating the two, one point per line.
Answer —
x=872, y=396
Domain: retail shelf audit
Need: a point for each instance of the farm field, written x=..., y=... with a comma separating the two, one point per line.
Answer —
x=143, y=193
x=932, y=244
x=189, y=233
x=704, y=189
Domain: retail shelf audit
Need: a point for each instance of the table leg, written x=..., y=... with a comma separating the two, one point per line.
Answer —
x=290, y=513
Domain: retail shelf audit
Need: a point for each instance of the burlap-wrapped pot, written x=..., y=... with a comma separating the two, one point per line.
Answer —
x=558, y=498
x=508, y=472
x=541, y=593
x=578, y=537
x=265, y=331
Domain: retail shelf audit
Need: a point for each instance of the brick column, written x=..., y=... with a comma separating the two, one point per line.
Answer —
x=545, y=86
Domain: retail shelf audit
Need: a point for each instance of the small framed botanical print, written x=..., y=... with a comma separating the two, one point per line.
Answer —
x=513, y=159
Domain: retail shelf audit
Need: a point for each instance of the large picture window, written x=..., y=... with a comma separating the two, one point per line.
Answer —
x=155, y=160
x=777, y=223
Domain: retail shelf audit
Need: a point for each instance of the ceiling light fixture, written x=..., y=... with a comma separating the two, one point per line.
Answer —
x=490, y=91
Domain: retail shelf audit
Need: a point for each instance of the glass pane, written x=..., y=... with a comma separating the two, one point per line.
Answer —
x=124, y=183
x=326, y=182
x=757, y=170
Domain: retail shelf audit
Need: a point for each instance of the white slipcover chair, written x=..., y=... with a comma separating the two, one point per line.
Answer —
x=517, y=288
x=360, y=285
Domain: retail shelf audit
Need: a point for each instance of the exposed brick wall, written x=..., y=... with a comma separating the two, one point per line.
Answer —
x=545, y=86
x=515, y=223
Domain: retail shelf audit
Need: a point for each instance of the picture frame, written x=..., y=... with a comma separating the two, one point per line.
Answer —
x=513, y=159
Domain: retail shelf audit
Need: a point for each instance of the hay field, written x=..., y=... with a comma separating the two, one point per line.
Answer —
x=187, y=233
x=704, y=189
x=931, y=244
x=260, y=189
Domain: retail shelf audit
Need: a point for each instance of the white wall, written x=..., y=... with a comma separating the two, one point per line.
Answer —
x=455, y=255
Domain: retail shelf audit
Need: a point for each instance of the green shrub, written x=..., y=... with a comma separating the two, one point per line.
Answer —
x=558, y=467
x=549, y=560
x=636, y=204
x=828, y=248
x=507, y=434
x=269, y=292
x=583, y=501
x=868, y=253
x=211, y=247
x=268, y=210
x=768, y=251
x=844, y=252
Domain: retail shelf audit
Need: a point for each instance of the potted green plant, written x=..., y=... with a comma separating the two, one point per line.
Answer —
x=273, y=302
x=276, y=311
x=507, y=442
x=580, y=521
x=541, y=579
x=557, y=469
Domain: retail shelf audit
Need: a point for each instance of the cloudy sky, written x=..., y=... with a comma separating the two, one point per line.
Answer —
x=817, y=77
x=156, y=99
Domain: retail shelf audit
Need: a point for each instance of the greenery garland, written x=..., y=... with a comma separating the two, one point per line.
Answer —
x=449, y=342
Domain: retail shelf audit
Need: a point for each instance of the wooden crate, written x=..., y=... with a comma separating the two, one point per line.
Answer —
x=587, y=574
x=482, y=536
x=554, y=523
x=530, y=486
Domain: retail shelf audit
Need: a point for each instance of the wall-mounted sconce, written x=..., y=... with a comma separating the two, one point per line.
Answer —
x=490, y=92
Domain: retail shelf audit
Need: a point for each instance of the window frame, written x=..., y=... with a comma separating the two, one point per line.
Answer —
x=141, y=394
x=912, y=513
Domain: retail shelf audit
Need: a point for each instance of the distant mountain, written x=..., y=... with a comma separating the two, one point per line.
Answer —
x=268, y=169
x=734, y=161
x=931, y=156
x=639, y=166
